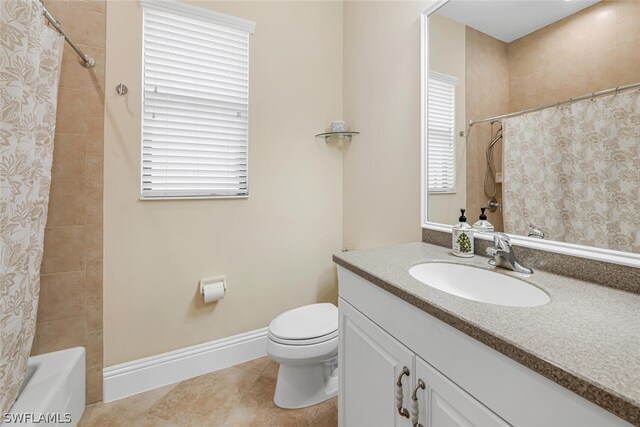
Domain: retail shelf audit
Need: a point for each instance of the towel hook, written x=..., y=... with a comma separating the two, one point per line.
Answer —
x=122, y=89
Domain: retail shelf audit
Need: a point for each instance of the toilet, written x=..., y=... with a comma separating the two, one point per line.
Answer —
x=304, y=341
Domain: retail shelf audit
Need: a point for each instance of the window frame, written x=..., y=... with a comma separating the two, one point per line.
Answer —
x=453, y=81
x=215, y=18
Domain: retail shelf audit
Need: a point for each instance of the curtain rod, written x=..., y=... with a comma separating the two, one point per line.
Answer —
x=557, y=104
x=85, y=60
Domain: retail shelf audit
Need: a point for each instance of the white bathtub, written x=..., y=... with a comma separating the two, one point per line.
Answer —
x=54, y=388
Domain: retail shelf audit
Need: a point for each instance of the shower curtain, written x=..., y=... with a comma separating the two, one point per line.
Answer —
x=30, y=55
x=574, y=172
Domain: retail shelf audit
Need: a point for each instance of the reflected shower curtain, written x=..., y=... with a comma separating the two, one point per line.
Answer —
x=30, y=55
x=574, y=172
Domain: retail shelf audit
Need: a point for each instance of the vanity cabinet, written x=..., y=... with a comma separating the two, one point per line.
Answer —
x=377, y=367
x=443, y=403
x=375, y=363
x=466, y=383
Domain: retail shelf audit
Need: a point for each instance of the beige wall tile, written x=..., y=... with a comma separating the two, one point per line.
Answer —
x=95, y=170
x=628, y=21
x=94, y=349
x=66, y=203
x=94, y=384
x=62, y=295
x=94, y=299
x=72, y=76
x=598, y=50
x=95, y=135
x=72, y=111
x=94, y=278
x=95, y=98
x=95, y=313
x=69, y=157
x=94, y=206
x=87, y=24
x=70, y=309
x=487, y=95
x=94, y=241
x=64, y=249
x=61, y=333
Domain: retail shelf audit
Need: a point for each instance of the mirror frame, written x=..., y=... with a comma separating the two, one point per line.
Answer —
x=582, y=251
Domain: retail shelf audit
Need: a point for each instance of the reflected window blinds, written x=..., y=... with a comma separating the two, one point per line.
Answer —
x=441, y=132
x=195, y=102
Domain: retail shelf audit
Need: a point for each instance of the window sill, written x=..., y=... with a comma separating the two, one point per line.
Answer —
x=160, y=198
x=436, y=193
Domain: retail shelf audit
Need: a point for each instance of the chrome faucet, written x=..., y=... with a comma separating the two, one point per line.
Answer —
x=503, y=256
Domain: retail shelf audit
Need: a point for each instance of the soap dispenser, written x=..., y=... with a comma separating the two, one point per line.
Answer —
x=462, y=238
x=482, y=225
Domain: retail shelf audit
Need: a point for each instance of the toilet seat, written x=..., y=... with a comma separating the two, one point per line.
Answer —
x=307, y=341
x=306, y=325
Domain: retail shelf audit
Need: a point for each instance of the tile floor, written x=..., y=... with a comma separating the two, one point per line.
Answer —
x=241, y=395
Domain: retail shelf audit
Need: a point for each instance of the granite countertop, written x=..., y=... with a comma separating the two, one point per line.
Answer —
x=587, y=338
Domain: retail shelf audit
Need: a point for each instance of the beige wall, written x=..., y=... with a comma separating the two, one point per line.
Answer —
x=382, y=101
x=594, y=49
x=447, y=55
x=274, y=247
x=487, y=96
x=70, y=305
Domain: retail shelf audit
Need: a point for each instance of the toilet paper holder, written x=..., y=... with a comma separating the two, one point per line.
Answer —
x=209, y=281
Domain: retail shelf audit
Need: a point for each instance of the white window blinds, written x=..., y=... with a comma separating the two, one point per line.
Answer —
x=441, y=132
x=195, y=107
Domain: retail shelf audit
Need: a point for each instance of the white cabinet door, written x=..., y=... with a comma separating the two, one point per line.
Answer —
x=443, y=404
x=370, y=363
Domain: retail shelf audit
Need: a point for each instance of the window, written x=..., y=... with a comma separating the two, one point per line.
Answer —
x=441, y=133
x=195, y=102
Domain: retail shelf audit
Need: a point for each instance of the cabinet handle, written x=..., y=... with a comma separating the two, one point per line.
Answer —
x=414, y=403
x=399, y=394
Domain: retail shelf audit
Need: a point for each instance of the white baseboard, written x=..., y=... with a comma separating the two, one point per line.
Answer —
x=152, y=372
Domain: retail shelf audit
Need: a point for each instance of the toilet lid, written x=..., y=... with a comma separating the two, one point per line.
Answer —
x=303, y=323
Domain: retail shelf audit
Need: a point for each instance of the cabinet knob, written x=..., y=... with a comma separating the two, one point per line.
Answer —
x=415, y=410
x=399, y=393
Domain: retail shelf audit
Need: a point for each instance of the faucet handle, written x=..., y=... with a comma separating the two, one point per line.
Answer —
x=500, y=241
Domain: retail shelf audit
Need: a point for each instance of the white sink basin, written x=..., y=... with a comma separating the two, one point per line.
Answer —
x=478, y=284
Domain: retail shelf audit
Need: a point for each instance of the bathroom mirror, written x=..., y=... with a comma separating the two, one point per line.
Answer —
x=532, y=110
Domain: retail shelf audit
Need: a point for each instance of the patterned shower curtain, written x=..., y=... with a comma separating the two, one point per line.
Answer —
x=30, y=55
x=574, y=172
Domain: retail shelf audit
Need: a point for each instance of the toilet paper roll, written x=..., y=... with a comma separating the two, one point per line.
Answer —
x=213, y=292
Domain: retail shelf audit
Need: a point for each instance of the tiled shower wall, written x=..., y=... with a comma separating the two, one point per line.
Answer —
x=70, y=308
x=487, y=95
x=592, y=50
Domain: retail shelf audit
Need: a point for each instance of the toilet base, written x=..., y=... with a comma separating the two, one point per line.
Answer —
x=299, y=386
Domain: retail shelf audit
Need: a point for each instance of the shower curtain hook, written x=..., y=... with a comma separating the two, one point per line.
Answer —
x=617, y=90
x=593, y=96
